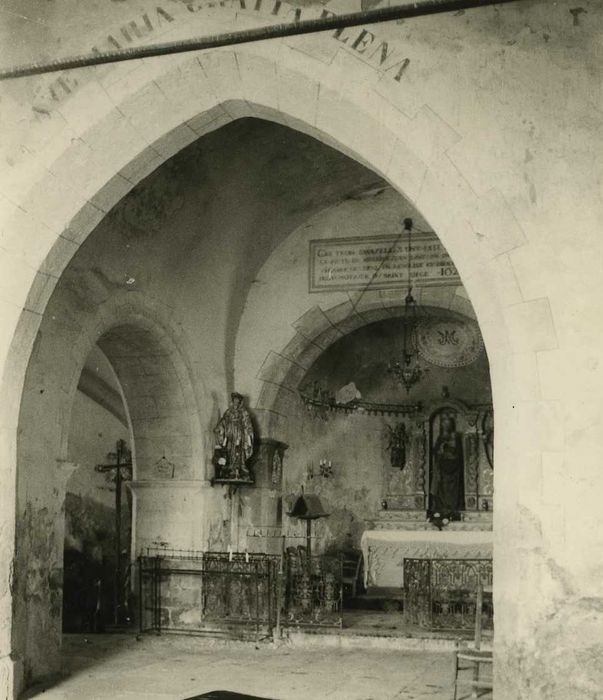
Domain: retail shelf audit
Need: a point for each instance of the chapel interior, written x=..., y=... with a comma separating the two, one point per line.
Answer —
x=218, y=242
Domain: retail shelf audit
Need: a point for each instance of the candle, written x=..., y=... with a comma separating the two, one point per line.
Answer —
x=229, y=553
x=246, y=557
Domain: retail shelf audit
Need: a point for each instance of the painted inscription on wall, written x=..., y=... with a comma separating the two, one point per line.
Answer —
x=379, y=262
x=360, y=41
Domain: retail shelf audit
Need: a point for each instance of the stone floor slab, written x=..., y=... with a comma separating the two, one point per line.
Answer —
x=118, y=667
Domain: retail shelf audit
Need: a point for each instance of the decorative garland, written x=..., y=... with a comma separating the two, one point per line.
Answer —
x=322, y=406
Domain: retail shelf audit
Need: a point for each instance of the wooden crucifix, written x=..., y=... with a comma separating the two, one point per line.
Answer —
x=120, y=469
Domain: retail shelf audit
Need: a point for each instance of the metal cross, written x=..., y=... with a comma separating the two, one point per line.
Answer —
x=121, y=465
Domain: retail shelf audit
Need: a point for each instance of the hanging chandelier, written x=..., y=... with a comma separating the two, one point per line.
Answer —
x=408, y=369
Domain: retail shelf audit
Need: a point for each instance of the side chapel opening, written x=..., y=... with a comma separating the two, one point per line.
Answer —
x=98, y=505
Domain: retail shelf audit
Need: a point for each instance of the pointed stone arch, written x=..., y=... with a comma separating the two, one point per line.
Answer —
x=58, y=203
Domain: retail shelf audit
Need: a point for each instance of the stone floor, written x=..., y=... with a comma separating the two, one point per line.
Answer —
x=114, y=667
x=392, y=624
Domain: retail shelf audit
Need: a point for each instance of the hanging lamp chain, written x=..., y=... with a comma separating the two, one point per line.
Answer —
x=409, y=371
x=408, y=227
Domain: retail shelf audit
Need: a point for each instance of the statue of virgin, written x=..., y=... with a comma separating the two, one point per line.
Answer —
x=447, y=489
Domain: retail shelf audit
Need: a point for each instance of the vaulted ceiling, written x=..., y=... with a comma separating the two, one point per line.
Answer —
x=201, y=226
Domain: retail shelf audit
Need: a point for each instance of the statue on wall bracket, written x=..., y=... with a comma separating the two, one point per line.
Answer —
x=397, y=445
x=234, y=444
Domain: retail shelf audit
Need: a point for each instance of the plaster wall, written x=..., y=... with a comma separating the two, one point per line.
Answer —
x=490, y=133
x=89, y=508
x=275, y=359
x=94, y=432
x=279, y=303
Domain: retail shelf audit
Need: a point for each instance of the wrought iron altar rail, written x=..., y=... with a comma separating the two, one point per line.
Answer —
x=198, y=554
x=237, y=594
x=441, y=593
x=213, y=593
x=311, y=590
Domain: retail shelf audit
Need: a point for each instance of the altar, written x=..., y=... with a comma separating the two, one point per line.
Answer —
x=384, y=551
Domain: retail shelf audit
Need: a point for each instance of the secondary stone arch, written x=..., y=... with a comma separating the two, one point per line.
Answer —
x=149, y=357
x=126, y=325
x=356, y=441
x=284, y=369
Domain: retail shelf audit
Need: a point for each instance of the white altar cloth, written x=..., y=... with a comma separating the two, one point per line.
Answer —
x=384, y=551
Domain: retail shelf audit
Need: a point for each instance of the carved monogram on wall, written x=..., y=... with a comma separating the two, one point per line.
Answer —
x=450, y=342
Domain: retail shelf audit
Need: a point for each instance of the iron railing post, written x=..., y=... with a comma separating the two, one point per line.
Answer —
x=140, y=595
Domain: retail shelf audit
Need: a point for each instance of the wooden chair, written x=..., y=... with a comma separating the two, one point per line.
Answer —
x=474, y=656
x=352, y=561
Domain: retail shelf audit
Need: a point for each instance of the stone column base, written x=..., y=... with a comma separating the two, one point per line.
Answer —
x=11, y=678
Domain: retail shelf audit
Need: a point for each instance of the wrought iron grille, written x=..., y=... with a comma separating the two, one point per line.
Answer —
x=441, y=593
x=207, y=592
x=312, y=595
x=237, y=594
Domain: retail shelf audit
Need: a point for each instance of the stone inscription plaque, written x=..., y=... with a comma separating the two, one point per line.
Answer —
x=379, y=262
